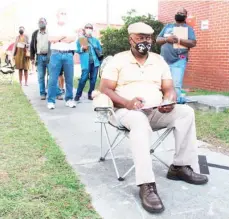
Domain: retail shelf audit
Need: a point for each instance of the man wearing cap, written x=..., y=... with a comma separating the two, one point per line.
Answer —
x=39, y=49
x=88, y=60
x=137, y=81
x=62, y=38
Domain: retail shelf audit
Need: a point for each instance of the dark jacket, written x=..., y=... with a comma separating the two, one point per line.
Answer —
x=33, y=46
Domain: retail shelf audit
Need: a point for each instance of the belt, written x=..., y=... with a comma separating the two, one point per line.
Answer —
x=63, y=51
x=43, y=54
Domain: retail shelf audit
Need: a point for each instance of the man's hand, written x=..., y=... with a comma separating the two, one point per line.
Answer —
x=32, y=61
x=172, y=39
x=166, y=109
x=84, y=47
x=135, y=104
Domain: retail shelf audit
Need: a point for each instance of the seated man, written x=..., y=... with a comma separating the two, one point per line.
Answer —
x=136, y=81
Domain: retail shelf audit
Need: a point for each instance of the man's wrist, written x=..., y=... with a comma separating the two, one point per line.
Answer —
x=165, y=40
x=125, y=103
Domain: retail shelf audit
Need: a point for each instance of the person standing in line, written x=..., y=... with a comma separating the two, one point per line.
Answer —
x=21, y=55
x=89, y=61
x=62, y=39
x=39, y=51
x=177, y=58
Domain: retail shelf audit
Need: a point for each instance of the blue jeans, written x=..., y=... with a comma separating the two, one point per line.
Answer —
x=42, y=68
x=92, y=72
x=177, y=70
x=57, y=61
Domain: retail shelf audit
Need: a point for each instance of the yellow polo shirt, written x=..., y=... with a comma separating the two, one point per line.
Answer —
x=135, y=80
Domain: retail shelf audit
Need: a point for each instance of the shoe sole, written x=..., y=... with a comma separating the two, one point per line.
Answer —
x=70, y=107
x=154, y=210
x=175, y=178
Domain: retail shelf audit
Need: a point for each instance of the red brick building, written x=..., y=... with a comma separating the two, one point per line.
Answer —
x=208, y=66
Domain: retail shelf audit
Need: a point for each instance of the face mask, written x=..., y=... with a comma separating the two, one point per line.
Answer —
x=88, y=31
x=143, y=47
x=63, y=19
x=42, y=25
x=180, y=17
x=21, y=31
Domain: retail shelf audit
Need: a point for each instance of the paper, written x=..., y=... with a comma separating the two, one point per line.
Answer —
x=181, y=33
x=21, y=45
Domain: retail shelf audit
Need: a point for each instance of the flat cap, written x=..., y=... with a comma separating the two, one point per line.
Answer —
x=140, y=27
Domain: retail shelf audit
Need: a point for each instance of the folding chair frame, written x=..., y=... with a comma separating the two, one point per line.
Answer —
x=104, y=114
x=7, y=76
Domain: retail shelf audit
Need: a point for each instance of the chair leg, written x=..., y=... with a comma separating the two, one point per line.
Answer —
x=161, y=160
x=101, y=143
x=161, y=139
x=112, y=155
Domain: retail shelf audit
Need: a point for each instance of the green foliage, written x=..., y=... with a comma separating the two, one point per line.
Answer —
x=115, y=41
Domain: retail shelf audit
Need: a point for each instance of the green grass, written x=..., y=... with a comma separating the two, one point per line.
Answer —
x=205, y=92
x=213, y=127
x=35, y=180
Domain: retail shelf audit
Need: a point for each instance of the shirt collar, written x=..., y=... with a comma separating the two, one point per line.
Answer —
x=43, y=32
x=149, y=60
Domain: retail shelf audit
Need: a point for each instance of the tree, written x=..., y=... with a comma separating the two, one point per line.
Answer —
x=116, y=40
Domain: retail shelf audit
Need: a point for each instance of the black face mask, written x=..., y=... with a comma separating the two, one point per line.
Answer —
x=143, y=47
x=21, y=32
x=180, y=17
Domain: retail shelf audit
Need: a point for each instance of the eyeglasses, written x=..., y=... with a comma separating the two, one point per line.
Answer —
x=89, y=28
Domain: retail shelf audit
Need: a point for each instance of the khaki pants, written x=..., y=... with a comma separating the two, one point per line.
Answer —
x=140, y=124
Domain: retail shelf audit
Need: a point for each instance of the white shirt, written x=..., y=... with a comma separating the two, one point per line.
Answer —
x=64, y=30
x=42, y=42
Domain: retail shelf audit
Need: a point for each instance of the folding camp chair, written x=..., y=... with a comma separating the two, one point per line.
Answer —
x=6, y=73
x=103, y=117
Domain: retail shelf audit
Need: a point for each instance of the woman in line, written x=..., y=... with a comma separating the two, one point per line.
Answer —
x=21, y=55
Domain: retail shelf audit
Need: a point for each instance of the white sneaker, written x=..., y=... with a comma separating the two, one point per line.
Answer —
x=71, y=104
x=51, y=106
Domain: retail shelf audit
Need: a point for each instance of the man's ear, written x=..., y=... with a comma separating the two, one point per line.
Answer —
x=130, y=39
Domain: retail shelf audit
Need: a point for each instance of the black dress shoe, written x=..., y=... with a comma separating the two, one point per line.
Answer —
x=151, y=202
x=186, y=173
x=90, y=98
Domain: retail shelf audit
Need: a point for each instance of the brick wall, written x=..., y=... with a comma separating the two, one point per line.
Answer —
x=208, y=67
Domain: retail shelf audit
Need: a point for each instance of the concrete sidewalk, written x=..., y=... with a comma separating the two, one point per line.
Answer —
x=78, y=136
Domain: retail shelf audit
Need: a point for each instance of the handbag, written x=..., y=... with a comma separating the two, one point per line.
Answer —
x=98, y=53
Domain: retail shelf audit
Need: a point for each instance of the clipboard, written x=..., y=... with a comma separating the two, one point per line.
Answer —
x=83, y=41
x=155, y=107
x=182, y=33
